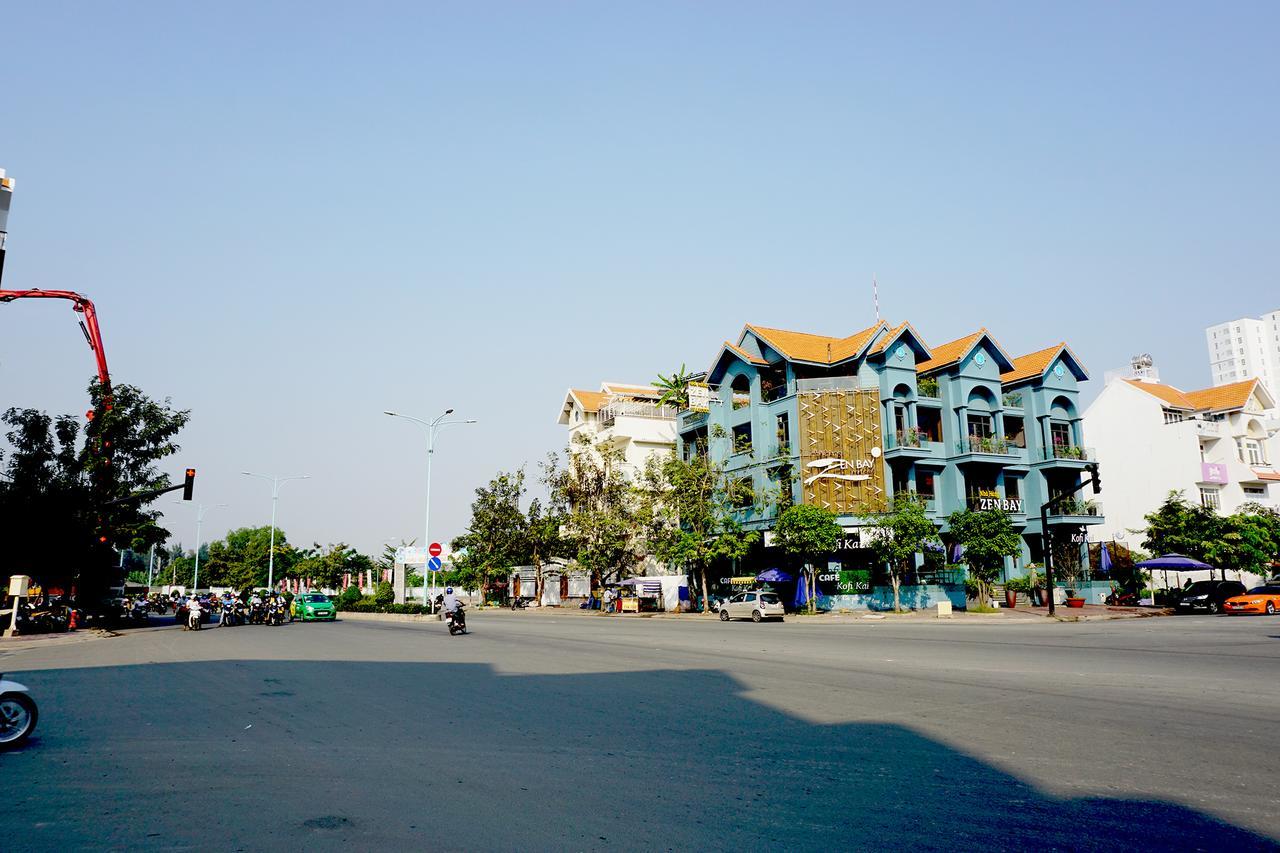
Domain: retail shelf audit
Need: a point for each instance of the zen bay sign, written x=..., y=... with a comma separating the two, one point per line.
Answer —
x=987, y=499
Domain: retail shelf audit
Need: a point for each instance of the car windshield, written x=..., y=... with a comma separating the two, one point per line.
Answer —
x=769, y=598
x=1201, y=587
x=316, y=597
x=1265, y=590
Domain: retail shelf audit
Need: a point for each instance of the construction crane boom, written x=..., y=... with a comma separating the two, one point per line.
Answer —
x=88, y=324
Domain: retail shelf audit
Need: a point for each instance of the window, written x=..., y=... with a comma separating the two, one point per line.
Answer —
x=980, y=425
x=742, y=438
x=1172, y=417
x=924, y=484
x=784, y=433
x=1253, y=452
x=1012, y=488
x=1014, y=431
x=744, y=495
x=1060, y=434
x=1255, y=492
x=1211, y=498
x=930, y=423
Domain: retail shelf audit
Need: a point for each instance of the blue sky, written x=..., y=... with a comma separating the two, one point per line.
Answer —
x=295, y=216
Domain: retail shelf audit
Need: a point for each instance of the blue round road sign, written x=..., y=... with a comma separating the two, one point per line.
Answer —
x=433, y=564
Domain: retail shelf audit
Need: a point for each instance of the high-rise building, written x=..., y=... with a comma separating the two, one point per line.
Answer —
x=1246, y=348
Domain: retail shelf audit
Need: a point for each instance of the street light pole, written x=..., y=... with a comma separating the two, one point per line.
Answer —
x=201, y=509
x=433, y=427
x=275, y=480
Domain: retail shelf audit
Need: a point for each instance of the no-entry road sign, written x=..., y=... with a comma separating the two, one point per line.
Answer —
x=435, y=550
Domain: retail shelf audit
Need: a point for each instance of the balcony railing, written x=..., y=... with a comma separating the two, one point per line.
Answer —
x=1209, y=428
x=692, y=419
x=983, y=444
x=632, y=408
x=1067, y=451
x=905, y=438
x=1077, y=509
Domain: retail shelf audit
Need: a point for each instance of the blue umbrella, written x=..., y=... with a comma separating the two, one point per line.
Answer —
x=1105, y=562
x=957, y=551
x=773, y=576
x=802, y=592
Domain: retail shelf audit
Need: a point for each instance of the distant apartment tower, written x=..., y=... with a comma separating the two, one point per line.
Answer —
x=1247, y=348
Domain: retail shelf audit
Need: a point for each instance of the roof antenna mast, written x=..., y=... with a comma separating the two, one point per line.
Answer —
x=875, y=294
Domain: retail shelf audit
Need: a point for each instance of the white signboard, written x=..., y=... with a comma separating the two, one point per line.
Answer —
x=18, y=585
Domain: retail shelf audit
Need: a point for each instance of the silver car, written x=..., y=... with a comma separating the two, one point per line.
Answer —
x=756, y=606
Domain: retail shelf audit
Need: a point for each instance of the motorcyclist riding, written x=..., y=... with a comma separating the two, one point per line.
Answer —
x=450, y=602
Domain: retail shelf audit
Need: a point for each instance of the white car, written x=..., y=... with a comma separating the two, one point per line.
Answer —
x=756, y=606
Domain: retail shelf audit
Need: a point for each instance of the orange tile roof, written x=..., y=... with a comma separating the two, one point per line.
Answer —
x=1166, y=393
x=950, y=352
x=1233, y=396
x=887, y=339
x=1032, y=364
x=620, y=388
x=753, y=359
x=590, y=400
x=823, y=349
x=1266, y=475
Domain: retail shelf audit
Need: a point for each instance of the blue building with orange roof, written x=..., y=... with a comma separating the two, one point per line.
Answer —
x=847, y=423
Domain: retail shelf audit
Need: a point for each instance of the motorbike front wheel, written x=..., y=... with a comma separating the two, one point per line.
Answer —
x=18, y=716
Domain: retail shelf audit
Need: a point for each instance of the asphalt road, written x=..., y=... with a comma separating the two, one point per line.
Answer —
x=567, y=732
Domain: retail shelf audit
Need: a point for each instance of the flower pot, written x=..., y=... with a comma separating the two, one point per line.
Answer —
x=1010, y=598
x=1075, y=602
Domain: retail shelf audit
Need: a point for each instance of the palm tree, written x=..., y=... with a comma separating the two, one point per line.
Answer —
x=674, y=388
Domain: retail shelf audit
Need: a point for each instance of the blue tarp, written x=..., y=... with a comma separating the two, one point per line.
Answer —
x=773, y=576
x=802, y=592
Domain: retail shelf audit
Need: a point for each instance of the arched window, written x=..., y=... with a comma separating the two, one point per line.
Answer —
x=740, y=388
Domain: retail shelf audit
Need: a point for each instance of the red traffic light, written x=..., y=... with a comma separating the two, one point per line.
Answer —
x=189, y=484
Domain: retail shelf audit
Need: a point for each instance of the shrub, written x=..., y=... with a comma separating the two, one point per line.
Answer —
x=1022, y=585
x=385, y=595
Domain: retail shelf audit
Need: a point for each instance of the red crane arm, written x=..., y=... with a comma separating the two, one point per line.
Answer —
x=89, y=325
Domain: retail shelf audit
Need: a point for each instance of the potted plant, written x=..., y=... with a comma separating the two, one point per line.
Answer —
x=1074, y=599
x=1012, y=587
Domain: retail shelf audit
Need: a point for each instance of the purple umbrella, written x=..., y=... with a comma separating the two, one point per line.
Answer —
x=1173, y=561
x=1105, y=562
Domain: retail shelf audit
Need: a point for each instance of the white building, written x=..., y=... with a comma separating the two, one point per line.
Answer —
x=627, y=416
x=1244, y=349
x=1219, y=446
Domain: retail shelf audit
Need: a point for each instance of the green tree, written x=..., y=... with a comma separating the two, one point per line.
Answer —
x=326, y=565
x=674, y=388
x=1180, y=527
x=384, y=594
x=496, y=537
x=1247, y=541
x=903, y=532
x=240, y=559
x=690, y=509
x=807, y=532
x=545, y=520
x=987, y=538
x=59, y=479
x=603, y=513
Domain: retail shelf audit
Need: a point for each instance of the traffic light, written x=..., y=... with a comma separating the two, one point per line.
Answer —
x=1097, y=478
x=189, y=485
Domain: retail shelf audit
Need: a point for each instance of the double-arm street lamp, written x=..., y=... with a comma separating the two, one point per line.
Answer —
x=201, y=509
x=433, y=427
x=275, y=480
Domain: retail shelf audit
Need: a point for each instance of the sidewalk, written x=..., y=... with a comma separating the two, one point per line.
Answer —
x=1092, y=612
x=44, y=641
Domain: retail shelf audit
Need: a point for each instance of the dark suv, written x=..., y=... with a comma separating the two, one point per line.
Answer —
x=1208, y=595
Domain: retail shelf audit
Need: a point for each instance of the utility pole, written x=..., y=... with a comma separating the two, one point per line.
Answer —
x=1047, y=538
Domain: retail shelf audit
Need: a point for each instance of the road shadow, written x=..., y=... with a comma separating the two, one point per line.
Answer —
x=328, y=755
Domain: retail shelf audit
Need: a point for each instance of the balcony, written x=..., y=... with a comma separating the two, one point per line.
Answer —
x=907, y=442
x=689, y=420
x=986, y=444
x=1068, y=452
x=1208, y=429
x=828, y=383
x=610, y=412
x=772, y=392
x=1076, y=511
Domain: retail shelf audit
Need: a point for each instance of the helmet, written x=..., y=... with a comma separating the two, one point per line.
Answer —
x=449, y=590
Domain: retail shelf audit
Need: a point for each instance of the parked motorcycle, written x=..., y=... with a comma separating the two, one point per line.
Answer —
x=457, y=621
x=18, y=714
x=518, y=603
x=1117, y=598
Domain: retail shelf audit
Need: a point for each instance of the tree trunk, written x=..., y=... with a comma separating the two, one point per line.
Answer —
x=897, y=584
x=813, y=592
x=706, y=595
x=537, y=582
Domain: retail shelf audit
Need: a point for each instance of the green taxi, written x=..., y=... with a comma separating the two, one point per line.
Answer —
x=310, y=606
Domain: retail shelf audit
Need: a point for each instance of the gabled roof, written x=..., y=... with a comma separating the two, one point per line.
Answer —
x=733, y=351
x=816, y=349
x=1165, y=393
x=896, y=333
x=1227, y=397
x=1034, y=365
x=591, y=401
x=952, y=352
x=1223, y=398
x=625, y=390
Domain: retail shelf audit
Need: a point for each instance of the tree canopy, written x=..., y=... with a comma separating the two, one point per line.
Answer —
x=987, y=536
x=904, y=531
